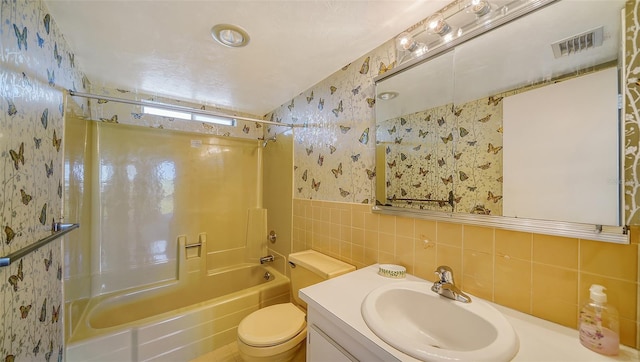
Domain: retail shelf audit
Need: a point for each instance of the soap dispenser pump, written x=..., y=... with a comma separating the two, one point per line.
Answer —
x=599, y=330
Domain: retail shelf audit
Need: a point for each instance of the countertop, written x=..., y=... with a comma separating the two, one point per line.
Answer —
x=339, y=300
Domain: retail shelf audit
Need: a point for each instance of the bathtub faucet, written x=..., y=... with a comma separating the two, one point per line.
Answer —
x=266, y=259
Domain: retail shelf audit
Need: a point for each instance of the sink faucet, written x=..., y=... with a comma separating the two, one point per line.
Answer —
x=266, y=259
x=446, y=287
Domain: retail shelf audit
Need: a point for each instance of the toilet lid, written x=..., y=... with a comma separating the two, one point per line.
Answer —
x=271, y=325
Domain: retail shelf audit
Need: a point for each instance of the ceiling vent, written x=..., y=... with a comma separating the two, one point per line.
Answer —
x=587, y=40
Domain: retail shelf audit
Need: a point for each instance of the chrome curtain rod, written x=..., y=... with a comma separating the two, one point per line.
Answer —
x=173, y=107
x=59, y=230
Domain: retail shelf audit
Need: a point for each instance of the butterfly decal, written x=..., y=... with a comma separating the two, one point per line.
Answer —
x=472, y=188
x=472, y=143
x=499, y=179
x=383, y=68
x=356, y=90
x=12, y=108
x=315, y=185
x=56, y=55
x=343, y=193
x=463, y=176
x=320, y=104
x=387, y=150
x=441, y=162
x=422, y=133
x=337, y=110
x=43, y=214
x=310, y=98
x=456, y=112
x=392, y=130
x=102, y=101
x=43, y=311
x=398, y=175
x=24, y=311
x=441, y=121
x=417, y=148
x=19, y=276
x=485, y=166
x=337, y=171
x=47, y=22
x=398, y=140
x=463, y=132
x=344, y=129
x=364, y=69
x=408, y=130
x=44, y=119
x=371, y=174
x=36, y=349
x=47, y=262
x=47, y=356
x=365, y=201
x=246, y=129
x=392, y=164
x=447, y=139
x=59, y=273
x=320, y=159
x=500, y=130
x=49, y=168
x=494, y=100
x=403, y=121
x=423, y=171
x=403, y=156
x=371, y=102
x=72, y=60
x=10, y=234
x=21, y=36
x=25, y=197
x=113, y=119
x=333, y=89
x=56, y=141
x=40, y=40
x=364, y=138
x=403, y=192
x=309, y=150
x=17, y=157
x=304, y=175
x=457, y=155
x=355, y=158
x=139, y=115
x=51, y=77
x=299, y=189
x=55, y=313
x=418, y=185
x=428, y=157
x=485, y=119
x=37, y=142
x=492, y=197
x=447, y=180
x=291, y=106
x=332, y=149
x=492, y=148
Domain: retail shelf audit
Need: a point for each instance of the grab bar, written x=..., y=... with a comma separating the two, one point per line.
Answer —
x=193, y=245
x=59, y=229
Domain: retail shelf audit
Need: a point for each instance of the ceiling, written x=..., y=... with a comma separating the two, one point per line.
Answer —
x=165, y=48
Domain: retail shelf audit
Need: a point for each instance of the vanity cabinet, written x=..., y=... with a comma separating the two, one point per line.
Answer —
x=321, y=347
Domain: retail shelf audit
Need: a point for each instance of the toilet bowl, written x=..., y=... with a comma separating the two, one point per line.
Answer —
x=277, y=333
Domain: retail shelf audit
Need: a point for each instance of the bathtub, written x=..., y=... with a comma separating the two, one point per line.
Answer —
x=174, y=322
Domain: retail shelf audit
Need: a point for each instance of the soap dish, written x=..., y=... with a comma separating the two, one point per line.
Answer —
x=392, y=271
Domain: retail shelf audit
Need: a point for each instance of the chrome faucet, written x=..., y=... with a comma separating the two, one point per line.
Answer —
x=266, y=259
x=446, y=287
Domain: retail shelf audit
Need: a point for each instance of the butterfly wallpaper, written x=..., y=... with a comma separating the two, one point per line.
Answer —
x=36, y=65
x=335, y=146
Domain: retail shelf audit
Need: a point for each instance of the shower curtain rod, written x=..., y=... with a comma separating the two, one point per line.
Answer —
x=173, y=107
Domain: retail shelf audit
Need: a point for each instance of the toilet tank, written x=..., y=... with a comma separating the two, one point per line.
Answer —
x=310, y=267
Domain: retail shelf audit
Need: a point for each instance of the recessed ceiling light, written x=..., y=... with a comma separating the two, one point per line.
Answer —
x=230, y=35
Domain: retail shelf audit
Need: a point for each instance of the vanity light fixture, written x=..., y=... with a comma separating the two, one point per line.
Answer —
x=230, y=35
x=480, y=7
x=437, y=25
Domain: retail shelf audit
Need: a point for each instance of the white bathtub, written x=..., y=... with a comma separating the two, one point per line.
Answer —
x=176, y=322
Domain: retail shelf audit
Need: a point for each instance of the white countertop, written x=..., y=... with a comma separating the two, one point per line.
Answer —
x=339, y=300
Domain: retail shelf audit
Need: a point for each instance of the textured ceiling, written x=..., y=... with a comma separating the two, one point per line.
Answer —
x=165, y=47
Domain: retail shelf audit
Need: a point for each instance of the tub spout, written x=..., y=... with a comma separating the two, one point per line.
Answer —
x=266, y=259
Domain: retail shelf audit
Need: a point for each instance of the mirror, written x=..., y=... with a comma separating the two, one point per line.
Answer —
x=441, y=123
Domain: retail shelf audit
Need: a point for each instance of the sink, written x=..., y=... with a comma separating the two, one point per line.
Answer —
x=429, y=327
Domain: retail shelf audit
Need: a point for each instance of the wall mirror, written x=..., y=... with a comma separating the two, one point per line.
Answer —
x=518, y=127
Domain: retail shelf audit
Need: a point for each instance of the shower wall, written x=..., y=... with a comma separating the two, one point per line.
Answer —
x=151, y=186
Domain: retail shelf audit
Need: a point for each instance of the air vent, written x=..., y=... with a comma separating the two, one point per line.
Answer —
x=577, y=43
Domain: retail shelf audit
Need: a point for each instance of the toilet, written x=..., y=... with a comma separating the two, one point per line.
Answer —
x=277, y=332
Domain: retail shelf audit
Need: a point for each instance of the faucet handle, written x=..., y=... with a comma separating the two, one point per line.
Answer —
x=445, y=274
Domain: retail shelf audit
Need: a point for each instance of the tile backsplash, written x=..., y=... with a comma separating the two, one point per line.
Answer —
x=545, y=276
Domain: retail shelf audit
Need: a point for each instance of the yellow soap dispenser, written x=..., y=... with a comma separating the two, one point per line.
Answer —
x=599, y=329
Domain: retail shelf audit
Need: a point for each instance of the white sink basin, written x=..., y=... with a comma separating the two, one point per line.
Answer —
x=429, y=327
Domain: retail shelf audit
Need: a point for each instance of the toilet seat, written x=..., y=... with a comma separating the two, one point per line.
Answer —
x=271, y=326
